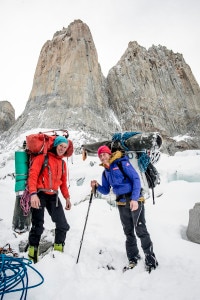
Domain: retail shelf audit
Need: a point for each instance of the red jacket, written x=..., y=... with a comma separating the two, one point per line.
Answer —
x=53, y=176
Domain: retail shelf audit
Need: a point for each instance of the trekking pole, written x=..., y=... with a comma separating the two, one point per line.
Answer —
x=81, y=241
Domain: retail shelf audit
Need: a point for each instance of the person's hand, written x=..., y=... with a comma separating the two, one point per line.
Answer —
x=94, y=184
x=35, y=201
x=68, y=204
x=133, y=205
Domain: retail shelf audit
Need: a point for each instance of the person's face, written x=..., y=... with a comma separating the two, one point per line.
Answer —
x=104, y=158
x=60, y=149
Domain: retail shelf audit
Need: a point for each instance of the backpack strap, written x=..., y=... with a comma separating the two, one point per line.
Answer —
x=62, y=166
x=45, y=163
x=119, y=164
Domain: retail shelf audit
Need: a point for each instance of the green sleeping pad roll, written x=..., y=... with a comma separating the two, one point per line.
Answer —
x=21, y=170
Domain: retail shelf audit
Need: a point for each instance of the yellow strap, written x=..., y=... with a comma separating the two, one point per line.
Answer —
x=141, y=199
x=121, y=203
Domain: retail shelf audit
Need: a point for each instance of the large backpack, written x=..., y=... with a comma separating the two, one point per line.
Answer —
x=35, y=144
x=149, y=177
x=143, y=151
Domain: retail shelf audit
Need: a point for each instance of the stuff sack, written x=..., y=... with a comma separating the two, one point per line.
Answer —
x=41, y=143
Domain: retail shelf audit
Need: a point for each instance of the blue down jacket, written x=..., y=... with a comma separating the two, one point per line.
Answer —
x=113, y=177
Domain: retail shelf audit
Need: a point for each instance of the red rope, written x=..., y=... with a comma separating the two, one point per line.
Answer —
x=25, y=202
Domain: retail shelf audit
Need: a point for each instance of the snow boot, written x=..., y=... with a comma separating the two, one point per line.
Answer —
x=150, y=262
x=134, y=260
x=132, y=263
x=33, y=253
x=58, y=247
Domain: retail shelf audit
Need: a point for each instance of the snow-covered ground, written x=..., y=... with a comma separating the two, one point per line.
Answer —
x=178, y=273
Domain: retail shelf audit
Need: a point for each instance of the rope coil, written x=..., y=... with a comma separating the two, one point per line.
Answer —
x=25, y=202
x=14, y=272
x=122, y=137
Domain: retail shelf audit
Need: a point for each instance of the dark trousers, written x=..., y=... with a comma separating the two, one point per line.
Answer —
x=135, y=221
x=57, y=215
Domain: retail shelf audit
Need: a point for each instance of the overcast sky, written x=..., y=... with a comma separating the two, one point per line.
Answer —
x=25, y=25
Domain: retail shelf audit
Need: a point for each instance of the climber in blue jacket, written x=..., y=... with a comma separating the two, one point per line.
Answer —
x=122, y=177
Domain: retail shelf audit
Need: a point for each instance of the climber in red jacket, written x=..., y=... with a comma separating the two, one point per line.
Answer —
x=43, y=184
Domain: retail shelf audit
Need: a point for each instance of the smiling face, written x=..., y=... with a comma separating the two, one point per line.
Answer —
x=61, y=149
x=104, y=158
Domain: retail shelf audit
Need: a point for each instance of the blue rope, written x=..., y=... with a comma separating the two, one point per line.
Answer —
x=13, y=271
x=143, y=161
x=122, y=137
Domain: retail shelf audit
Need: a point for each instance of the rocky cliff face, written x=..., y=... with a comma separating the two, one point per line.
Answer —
x=155, y=90
x=69, y=89
x=148, y=90
x=7, y=115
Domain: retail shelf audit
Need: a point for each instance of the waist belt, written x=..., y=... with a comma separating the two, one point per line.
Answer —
x=50, y=192
x=123, y=196
x=141, y=199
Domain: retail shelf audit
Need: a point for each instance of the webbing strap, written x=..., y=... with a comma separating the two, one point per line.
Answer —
x=54, y=192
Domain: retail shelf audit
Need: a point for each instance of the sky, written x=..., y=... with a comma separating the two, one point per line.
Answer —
x=25, y=26
x=177, y=276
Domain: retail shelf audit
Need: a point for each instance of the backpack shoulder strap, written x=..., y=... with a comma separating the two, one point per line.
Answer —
x=45, y=163
x=63, y=166
x=119, y=164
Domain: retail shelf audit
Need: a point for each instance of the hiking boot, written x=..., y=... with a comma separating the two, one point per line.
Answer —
x=133, y=262
x=33, y=253
x=135, y=258
x=130, y=265
x=58, y=247
x=150, y=262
